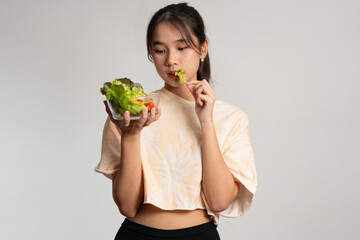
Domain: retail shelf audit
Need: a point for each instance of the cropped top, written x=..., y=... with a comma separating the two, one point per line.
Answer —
x=171, y=156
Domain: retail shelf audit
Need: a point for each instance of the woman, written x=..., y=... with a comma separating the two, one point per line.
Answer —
x=191, y=160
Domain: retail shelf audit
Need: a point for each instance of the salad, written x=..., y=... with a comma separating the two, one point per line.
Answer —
x=125, y=95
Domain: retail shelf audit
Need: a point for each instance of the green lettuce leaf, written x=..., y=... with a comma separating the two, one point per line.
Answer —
x=182, y=76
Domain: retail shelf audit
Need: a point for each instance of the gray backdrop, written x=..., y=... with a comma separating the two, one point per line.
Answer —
x=292, y=66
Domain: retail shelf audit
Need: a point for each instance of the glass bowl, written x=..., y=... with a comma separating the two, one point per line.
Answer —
x=151, y=97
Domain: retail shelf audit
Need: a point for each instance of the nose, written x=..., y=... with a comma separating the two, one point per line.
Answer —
x=172, y=58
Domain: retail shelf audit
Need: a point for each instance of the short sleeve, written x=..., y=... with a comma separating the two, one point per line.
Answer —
x=239, y=157
x=110, y=150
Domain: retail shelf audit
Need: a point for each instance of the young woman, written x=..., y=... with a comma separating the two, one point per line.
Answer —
x=176, y=171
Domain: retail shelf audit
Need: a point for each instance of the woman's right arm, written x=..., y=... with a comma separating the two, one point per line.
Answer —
x=128, y=183
x=128, y=188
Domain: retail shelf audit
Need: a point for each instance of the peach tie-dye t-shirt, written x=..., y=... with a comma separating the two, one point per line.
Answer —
x=171, y=156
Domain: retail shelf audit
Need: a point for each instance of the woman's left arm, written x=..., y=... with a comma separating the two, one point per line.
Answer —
x=219, y=186
x=218, y=183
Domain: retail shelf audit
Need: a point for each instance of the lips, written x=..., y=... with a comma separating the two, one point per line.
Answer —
x=171, y=75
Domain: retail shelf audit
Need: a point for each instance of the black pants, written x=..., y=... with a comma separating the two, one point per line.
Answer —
x=130, y=230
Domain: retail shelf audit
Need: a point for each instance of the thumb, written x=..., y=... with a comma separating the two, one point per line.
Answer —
x=191, y=87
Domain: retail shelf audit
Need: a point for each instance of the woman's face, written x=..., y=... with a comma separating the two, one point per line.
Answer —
x=170, y=53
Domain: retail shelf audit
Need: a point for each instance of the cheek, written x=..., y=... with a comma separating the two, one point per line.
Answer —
x=192, y=62
x=157, y=61
x=192, y=56
x=159, y=65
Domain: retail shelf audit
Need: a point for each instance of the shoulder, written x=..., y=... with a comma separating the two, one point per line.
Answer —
x=229, y=113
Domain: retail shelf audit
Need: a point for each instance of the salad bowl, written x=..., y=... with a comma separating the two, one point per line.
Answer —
x=150, y=101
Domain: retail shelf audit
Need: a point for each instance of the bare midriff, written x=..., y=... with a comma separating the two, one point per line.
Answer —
x=152, y=216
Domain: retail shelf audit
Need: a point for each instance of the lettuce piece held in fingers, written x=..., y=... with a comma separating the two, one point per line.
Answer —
x=181, y=75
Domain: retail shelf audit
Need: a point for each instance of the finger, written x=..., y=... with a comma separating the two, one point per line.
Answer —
x=193, y=82
x=208, y=88
x=198, y=99
x=156, y=116
x=158, y=112
x=151, y=118
x=126, y=119
x=144, y=116
x=200, y=90
x=191, y=88
x=203, y=100
x=153, y=113
x=204, y=88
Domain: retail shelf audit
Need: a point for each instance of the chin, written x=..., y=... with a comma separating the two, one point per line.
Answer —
x=173, y=83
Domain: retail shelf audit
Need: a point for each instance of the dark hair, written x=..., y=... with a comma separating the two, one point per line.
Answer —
x=187, y=20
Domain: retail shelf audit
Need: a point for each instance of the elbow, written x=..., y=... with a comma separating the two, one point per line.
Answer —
x=125, y=209
x=221, y=204
x=127, y=213
x=217, y=207
x=216, y=204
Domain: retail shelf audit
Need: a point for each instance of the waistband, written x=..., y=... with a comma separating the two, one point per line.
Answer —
x=168, y=232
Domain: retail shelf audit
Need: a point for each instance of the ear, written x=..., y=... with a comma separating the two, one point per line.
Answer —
x=151, y=58
x=204, y=49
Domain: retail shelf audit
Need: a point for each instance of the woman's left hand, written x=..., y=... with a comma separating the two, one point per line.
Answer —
x=204, y=99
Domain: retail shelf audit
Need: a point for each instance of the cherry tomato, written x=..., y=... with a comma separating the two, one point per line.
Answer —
x=151, y=105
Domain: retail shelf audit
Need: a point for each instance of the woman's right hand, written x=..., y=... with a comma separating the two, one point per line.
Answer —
x=135, y=126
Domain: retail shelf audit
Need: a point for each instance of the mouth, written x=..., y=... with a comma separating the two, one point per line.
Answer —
x=172, y=75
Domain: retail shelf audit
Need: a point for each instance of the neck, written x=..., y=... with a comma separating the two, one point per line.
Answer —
x=182, y=92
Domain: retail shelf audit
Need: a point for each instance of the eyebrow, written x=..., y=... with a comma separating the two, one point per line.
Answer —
x=161, y=43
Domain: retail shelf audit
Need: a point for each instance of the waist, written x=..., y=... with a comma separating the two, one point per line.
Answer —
x=152, y=216
x=201, y=231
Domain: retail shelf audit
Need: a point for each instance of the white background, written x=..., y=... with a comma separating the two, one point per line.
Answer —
x=292, y=66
